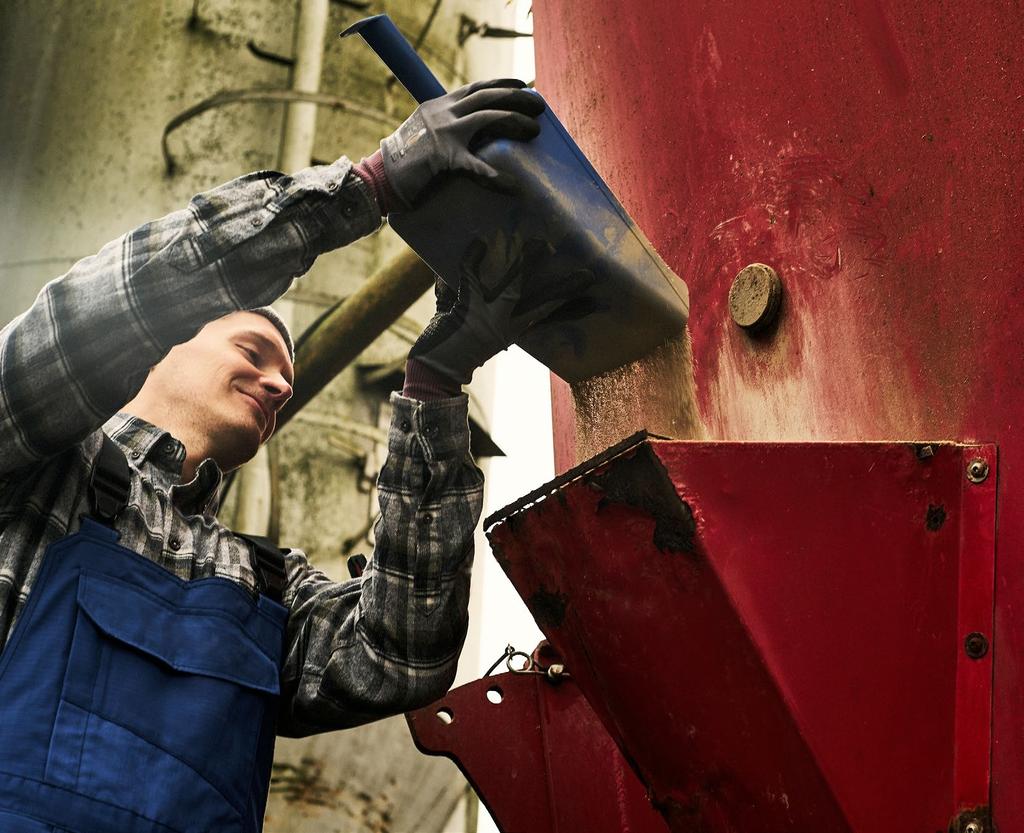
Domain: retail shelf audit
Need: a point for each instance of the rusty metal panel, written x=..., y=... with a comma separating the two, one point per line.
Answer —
x=870, y=152
x=537, y=755
x=776, y=634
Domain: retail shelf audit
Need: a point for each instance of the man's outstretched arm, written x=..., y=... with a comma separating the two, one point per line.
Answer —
x=84, y=347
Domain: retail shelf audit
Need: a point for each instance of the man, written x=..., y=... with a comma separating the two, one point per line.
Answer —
x=150, y=654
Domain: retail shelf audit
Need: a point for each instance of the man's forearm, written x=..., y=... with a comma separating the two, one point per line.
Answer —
x=390, y=642
x=84, y=347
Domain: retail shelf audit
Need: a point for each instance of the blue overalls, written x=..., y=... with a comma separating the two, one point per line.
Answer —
x=132, y=701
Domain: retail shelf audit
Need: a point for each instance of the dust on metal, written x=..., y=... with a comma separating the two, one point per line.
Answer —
x=977, y=471
x=755, y=297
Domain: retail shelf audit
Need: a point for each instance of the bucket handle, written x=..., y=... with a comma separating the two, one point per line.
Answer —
x=398, y=55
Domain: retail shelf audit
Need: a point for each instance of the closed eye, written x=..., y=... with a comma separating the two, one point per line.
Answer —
x=250, y=354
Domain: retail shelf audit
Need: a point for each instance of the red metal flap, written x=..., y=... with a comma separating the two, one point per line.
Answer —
x=537, y=756
x=774, y=632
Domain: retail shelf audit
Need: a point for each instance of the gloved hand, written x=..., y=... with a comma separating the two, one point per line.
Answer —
x=441, y=134
x=505, y=286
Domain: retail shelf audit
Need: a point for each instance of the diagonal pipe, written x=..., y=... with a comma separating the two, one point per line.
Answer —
x=351, y=325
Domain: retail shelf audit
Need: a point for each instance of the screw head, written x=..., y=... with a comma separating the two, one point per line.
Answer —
x=976, y=645
x=755, y=297
x=977, y=470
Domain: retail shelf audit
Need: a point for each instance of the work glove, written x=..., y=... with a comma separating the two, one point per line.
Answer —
x=506, y=285
x=442, y=133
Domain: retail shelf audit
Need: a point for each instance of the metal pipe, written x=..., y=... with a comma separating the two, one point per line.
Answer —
x=351, y=326
x=261, y=94
x=258, y=509
x=300, y=118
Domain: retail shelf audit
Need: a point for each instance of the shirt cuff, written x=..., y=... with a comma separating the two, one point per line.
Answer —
x=435, y=430
x=350, y=210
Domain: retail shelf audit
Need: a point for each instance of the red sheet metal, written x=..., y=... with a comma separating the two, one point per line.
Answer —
x=868, y=150
x=775, y=633
x=975, y=615
x=538, y=757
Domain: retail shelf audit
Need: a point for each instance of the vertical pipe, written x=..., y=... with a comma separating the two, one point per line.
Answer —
x=300, y=118
x=257, y=510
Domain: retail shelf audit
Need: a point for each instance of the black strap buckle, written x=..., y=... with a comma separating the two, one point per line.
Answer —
x=268, y=564
x=110, y=483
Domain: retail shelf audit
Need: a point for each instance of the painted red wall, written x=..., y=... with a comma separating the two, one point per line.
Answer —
x=872, y=153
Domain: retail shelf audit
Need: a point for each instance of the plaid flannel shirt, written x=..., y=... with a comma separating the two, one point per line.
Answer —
x=356, y=650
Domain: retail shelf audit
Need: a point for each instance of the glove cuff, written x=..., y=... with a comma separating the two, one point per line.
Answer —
x=424, y=383
x=392, y=151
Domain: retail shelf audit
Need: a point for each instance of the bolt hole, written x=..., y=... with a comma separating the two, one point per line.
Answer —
x=446, y=716
x=494, y=695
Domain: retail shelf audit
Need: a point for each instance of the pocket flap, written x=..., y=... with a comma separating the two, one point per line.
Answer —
x=191, y=640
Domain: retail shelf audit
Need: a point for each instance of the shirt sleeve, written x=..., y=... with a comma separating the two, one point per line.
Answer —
x=389, y=641
x=84, y=347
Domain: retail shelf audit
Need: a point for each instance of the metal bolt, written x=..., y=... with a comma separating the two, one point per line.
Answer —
x=972, y=820
x=755, y=297
x=976, y=645
x=977, y=470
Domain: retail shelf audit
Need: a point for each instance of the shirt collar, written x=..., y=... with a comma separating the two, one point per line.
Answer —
x=144, y=442
x=201, y=495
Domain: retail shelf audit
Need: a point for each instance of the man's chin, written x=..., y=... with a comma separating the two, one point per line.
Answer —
x=237, y=448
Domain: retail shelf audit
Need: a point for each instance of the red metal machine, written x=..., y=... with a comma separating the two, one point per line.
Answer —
x=808, y=614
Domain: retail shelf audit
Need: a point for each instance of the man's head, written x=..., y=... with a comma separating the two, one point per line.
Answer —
x=220, y=392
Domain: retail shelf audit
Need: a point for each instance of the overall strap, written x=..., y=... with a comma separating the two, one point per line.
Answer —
x=268, y=561
x=110, y=483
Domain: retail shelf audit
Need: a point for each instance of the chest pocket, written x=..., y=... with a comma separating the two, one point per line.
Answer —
x=172, y=689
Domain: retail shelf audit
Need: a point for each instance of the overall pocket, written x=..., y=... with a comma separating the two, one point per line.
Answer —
x=161, y=706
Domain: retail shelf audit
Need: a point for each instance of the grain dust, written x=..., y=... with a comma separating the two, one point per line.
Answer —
x=656, y=393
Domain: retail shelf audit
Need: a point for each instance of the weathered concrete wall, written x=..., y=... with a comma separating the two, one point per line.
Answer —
x=86, y=89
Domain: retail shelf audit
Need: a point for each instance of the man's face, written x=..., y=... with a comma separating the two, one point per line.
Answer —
x=228, y=383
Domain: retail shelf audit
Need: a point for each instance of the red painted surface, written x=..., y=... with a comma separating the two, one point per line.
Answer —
x=539, y=758
x=774, y=632
x=871, y=153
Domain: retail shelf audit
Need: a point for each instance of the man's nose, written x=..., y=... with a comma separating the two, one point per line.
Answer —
x=277, y=388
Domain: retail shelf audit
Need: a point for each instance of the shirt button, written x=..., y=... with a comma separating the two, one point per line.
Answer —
x=135, y=455
x=348, y=209
x=256, y=222
x=429, y=430
x=175, y=543
x=168, y=449
x=332, y=185
x=406, y=426
x=427, y=519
